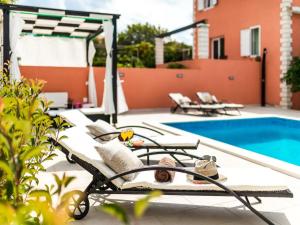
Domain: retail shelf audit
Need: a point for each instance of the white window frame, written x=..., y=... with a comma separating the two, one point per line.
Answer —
x=259, y=40
x=213, y=47
x=205, y=5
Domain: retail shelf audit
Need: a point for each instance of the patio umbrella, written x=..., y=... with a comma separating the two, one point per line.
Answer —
x=91, y=82
x=108, y=102
x=16, y=24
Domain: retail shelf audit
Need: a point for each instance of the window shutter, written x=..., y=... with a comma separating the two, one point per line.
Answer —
x=214, y=2
x=245, y=42
x=203, y=42
x=201, y=5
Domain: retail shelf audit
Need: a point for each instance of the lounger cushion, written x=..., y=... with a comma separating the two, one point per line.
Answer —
x=171, y=141
x=101, y=127
x=176, y=97
x=205, y=97
x=120, y=158
x=75, y=118
x=92, y=111
x=80, y=144
x=238, y=179
x=233, y=106
x=212, y=107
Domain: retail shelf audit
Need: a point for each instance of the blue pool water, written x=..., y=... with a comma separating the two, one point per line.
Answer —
x=274, y=137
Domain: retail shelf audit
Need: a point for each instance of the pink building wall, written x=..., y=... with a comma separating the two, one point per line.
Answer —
x=229, y=17
x=149, y=88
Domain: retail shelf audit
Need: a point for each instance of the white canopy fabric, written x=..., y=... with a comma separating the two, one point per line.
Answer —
x=52, y=51
x=91, y=81
x=108, y=102
x=122, y=105
x=16, y=24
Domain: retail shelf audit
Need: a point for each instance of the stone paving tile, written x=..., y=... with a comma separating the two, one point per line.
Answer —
x=198, y=216
x=277, y=217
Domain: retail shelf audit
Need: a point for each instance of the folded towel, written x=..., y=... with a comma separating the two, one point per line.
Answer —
x=163, y=176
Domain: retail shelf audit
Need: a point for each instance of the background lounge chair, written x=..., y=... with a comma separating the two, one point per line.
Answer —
x=207, y=98
x=228, y=106
x=185, y=104
x=105, y=181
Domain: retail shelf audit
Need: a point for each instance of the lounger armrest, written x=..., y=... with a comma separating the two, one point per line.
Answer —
x=170, y=153
x=141, y=127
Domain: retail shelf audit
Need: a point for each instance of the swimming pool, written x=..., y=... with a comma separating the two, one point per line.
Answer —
x=275, y=137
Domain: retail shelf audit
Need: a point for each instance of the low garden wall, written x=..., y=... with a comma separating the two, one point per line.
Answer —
x=232, y=81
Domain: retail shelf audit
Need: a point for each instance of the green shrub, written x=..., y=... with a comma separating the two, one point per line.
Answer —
x=292, y=76
x=176, y=66
x=24, y=147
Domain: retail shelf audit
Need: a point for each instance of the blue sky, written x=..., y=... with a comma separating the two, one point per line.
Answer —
x=170, y=14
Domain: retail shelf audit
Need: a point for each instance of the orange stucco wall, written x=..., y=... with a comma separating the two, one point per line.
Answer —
x=149, y=88
x=229, y=17
x=296, y=50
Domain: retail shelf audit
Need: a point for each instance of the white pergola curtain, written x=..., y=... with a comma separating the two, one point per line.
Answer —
x=16, y=24
x=122, y=105
x=108, y=103
x=91, y=81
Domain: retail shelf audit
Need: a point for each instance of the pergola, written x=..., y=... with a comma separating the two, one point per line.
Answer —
x=39, y=22
x=159, y=40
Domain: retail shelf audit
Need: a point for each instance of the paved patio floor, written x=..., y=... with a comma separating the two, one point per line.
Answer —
x=184, y=210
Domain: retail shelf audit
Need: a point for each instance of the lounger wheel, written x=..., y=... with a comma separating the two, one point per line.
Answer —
x=70, y=160
x=78, y=205
x=172, y=110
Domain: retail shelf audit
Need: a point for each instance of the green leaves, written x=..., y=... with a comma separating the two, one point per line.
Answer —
x=292, y=76
x=4, y=167
x=62, y=183
x=142, y=204
x=25, y=129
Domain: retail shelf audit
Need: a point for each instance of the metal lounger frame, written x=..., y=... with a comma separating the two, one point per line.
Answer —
x=206, y=112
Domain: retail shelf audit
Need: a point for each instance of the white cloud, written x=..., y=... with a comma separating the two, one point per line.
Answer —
x=170, y=14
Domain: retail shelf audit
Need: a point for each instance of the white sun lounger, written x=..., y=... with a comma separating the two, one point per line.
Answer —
x=240, y=182
x=186, y=105
x=207, y=98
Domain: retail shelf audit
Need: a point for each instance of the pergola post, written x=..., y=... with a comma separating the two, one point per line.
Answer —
x=6, y=43
x=159, y=51
x=114, y=70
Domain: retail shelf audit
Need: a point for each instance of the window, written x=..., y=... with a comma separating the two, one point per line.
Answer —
x=250, y=41
x=218, y=48
x=206, y=4
x=255, y=41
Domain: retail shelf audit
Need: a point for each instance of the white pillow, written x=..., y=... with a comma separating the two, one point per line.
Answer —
x=101, y=127
x=119, y=158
